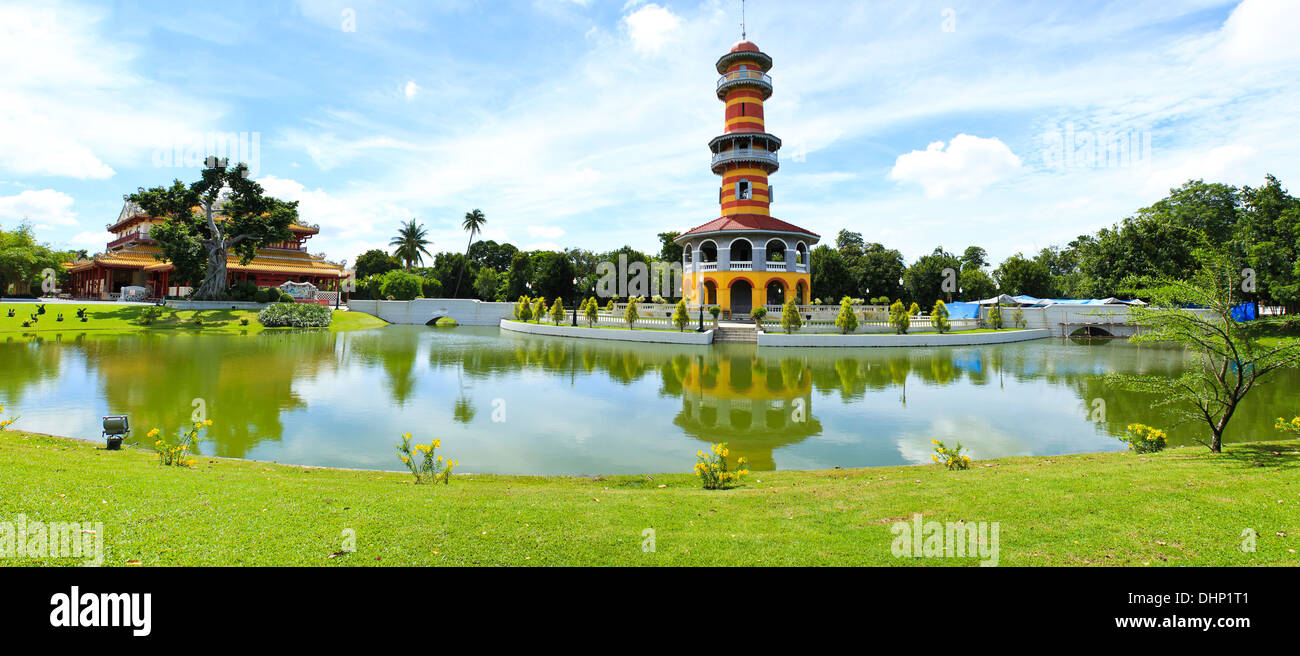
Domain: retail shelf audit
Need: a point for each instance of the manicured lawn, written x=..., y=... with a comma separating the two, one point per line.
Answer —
x=1181, y=507
x=126, y=318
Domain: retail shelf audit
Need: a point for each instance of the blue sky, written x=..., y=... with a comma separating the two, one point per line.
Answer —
x=585, y=123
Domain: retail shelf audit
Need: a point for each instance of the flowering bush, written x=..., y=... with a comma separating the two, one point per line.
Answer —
x=424, y=464
x=178, y=452
x=1144, y=439
x=1283, y=425
x=712, y=468
x=295, y=315
x=952, y=458
x=6, y=423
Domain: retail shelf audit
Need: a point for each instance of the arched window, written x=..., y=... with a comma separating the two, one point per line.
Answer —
x=776, y=251
x=708, y=251
x=801, y=253
x=687, y=254
x=741, y=250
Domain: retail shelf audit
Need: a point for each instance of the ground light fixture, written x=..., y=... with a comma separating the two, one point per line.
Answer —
x=115, y=428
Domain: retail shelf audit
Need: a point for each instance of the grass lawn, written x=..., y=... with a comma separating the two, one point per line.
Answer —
x=126, y=318
x=1182, y=507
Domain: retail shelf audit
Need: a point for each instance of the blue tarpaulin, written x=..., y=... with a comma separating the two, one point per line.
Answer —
x=1244, y=312
x=958, y=310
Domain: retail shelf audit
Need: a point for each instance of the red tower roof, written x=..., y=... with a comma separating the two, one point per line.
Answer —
x=735, y=222
x=745, y=46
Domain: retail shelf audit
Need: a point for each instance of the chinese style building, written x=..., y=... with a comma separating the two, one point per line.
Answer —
x=745, y=258
x=132, y=259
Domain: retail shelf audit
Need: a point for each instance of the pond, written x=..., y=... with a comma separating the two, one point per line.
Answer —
x=510, y=403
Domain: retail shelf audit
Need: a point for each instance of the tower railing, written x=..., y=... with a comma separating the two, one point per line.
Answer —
x=737, y=78
x=744, y=154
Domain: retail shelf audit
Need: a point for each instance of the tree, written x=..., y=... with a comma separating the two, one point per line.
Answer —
x=448, y=268
x=375, y=262
x=831, y=277
x=680, y=317
x=924, y=280
x=557, y=311
x=995, y=316
x=975, y=284
x=410, y=244
x=524, y=309
x=1269, y=231
x=553, y=275
x=22, y=258
x=878, y=271
x=472, y=224
x=850, y=246
x=757, y=315
x=790, y=318
x=846, y=320
x=539, y=308
x=1232, y=361
x=939, y=317
x=669, y=249
x=974, y=258
x=630, y=314
x=592, y=311
x=1018, y=275
x=899, y=318
x=234, y=215
x=520, y=275
x=486, y=283
x=488, y=253
x=401, y=285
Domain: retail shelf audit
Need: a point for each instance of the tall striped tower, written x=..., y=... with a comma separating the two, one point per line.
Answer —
x=744, y=154
x=745, y=258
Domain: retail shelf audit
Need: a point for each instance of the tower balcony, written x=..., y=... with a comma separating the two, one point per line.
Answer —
x=760, y=156
x=757, y=79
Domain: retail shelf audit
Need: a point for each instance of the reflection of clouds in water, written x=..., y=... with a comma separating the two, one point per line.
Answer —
x=978, y=435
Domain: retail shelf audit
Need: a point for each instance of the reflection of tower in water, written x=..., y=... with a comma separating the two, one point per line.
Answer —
x=755, y=406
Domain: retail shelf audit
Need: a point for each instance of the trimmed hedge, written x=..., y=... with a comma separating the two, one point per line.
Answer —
x=296, y=315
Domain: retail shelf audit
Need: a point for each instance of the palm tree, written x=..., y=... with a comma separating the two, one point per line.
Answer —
x=410, y=244
x=472, y=224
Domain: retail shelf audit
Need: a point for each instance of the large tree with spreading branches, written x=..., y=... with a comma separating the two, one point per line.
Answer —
x=221, y=213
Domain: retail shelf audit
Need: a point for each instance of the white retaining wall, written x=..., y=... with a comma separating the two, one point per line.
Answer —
x=950, y=339
x=662, y=336
x=215, y=305
x=466, y=312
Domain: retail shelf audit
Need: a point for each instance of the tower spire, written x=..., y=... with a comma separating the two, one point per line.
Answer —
x=742, y=20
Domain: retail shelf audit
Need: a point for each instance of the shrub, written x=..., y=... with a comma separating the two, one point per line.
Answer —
x=524, y=309
x=150, y=315
x=950, y=458
x=425, y=466
x=430, y=288
x=846, y=321
x=285, y=297
x=591, y=312
x=180, y=450
x=1144, y=439
x=6, y=423
x=680, y=317
x=539, y=308
x=939, y=317
x=715, y=311
x=757, y=315
x=296, y=315
x=995, y=317
x=712, y=468
x=1018, y=318
x=243, y=321
x=630, y=314
x=262, y=296
x=1283, y=425
x=790, y=318
x=557, y=312
x=899, y=318
x=401, y=285
x=914, y=309
x=609, y=307
x=243, y=290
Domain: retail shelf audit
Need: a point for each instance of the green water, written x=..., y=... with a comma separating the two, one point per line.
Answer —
x=507, y=403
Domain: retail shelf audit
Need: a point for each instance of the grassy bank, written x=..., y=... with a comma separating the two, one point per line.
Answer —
x=1181, y=507
x=126, y=318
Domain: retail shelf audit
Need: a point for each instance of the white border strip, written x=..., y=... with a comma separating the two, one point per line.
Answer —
x=929, y=339
x=663, y=336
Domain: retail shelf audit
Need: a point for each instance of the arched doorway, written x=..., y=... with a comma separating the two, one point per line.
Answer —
x=710, y=292
x=775, y=293
x=801, y=293
x=742, y=298
x=742, y=253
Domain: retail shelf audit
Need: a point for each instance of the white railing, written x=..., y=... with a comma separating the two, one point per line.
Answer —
x=740, y=77
x=742, y=266
x=708, y=266
x=775, y=266
x=740, y=154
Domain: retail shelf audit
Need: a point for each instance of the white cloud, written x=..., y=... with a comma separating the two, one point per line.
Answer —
x=72, y=106
x=1259, y=31
x=651, y=27
x=547, y=232
x=964, y=169
x=45, y=207
x=411, y=89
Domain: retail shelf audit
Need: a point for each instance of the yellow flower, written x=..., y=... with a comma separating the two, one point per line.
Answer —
x=154, y=433
x=405, y=459
x=437, y=444
x=406, y=435
x=207, y=422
